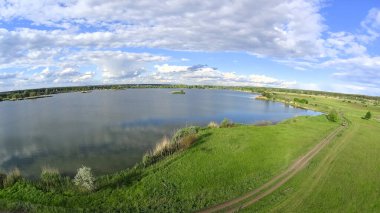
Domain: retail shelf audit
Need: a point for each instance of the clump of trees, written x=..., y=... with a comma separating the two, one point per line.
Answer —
x=333, y=116
x=367, y=116
x=268, y=94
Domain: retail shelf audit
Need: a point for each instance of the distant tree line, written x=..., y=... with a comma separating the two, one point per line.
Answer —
x=265, y=91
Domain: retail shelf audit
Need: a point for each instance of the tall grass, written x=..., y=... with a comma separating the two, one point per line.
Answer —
x=51, y=180
x=181, y=140
x=2, y=179
x=163, y=148
x=181, y=133
x=188, y=140
x=12, y=177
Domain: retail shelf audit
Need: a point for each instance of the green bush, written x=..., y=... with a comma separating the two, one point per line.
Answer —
x=333, y=115
x=302, y=101
x=12, y=177
x=367, y=116
x=226, y=123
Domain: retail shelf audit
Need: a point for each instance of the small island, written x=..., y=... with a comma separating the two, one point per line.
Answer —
x=180, y=92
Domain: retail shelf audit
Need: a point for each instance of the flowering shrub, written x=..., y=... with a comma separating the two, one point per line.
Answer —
x=85, y=179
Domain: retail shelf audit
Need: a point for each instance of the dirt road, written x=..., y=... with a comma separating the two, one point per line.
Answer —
x=276, y=182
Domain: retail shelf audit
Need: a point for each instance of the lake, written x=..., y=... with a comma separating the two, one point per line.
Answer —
x=111, y=130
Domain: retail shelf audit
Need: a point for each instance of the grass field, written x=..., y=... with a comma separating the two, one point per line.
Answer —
x=344, y=177
x=227, y=162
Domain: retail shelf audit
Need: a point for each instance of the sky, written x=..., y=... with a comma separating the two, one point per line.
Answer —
x=330, y=45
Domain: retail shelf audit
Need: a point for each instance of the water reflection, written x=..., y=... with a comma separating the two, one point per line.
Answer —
x=110, y=130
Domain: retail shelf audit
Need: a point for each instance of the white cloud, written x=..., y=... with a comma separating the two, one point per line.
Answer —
x=68, y=74
x=355, y=89
x=265, y=27
x=84, y=77
x=203, y=74
x=308, y=86
x=372, y=25
x=165, y=68
x=69, y=68
x=4, y=76
x=344, y=44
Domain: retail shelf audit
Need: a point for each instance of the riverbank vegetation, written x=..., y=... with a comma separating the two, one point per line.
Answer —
x=199, y=167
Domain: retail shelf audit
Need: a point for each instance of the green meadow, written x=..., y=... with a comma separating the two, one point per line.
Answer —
x=344, y=177
x=224, y=163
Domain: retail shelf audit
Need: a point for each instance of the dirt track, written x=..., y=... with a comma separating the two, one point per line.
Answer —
x=276, y=182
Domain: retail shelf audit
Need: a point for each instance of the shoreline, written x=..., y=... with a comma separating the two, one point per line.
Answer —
x=256, y=123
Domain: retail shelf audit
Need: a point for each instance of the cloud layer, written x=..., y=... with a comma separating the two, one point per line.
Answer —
x=54, y=41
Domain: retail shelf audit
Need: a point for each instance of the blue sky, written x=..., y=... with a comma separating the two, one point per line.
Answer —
x=328, y=45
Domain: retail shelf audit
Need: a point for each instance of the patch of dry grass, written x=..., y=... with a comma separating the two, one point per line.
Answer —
x=12, y=177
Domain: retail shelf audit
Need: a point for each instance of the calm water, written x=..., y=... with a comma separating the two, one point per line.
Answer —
x=111, y=130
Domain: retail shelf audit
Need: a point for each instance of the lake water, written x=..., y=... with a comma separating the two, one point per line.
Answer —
x=111, y=130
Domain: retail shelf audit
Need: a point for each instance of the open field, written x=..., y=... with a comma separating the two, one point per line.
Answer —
x=277, y=181
x=343, y=177
x=226, y=163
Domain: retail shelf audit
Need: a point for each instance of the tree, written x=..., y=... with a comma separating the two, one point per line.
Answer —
x=333, y=115
x=267, y=94
x=16, y=96
x=26, y=93
x=84, y=178
x=368, y=115
x=33, y=93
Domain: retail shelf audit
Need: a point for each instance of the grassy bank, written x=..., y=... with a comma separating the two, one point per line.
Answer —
x=205, y=174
